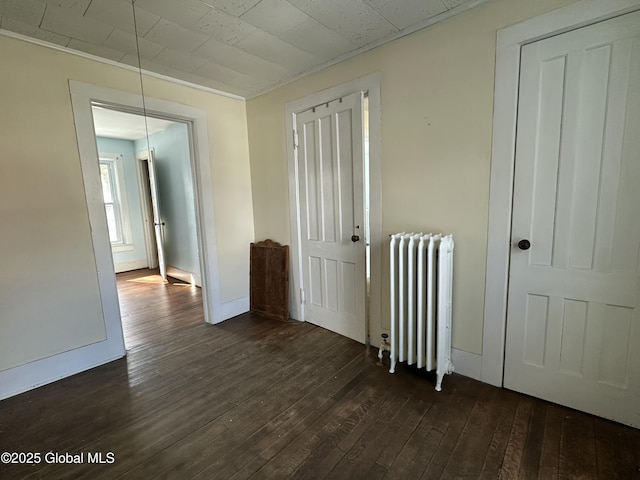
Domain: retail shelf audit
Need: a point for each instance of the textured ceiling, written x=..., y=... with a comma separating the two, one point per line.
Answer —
x=243, y=47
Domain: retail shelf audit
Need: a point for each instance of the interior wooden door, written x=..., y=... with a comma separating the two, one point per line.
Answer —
x=330, y=159
x=157, y=220
x=573, y=327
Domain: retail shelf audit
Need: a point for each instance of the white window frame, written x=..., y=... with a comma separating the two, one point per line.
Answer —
x=115, y=162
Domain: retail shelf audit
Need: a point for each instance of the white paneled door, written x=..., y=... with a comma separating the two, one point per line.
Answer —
x=330, y=158
x=573, y=326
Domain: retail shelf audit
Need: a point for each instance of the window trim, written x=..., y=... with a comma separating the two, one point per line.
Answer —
x=120, y=200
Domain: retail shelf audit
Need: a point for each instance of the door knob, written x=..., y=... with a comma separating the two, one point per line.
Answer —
x=524, y=244
x=355, y=238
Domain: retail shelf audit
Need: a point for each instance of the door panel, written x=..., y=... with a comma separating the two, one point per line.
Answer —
x=330, y=182
x=573, y=320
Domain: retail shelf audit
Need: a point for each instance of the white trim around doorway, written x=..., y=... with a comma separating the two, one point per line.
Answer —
x=82, y=96
x=371, y=85
x=509, y=43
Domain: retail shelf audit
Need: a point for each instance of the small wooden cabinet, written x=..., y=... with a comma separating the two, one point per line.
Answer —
x=269, y=279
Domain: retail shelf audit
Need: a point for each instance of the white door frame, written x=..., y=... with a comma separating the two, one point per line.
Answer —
x=370, y=84
x=509, y=42
x=82, y=96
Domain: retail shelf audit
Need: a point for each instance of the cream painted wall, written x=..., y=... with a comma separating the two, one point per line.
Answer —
x=437, y=101
x=49, y=300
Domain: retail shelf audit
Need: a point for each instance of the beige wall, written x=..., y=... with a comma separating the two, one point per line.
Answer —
x=49, y=299
x=437, y=102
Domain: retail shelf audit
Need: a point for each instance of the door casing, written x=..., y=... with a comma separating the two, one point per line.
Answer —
x=507, y=78
x=371, y=85
x=83, y=95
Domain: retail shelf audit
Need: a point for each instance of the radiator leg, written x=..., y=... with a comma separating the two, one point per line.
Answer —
x=449, y=370
x=392, y=369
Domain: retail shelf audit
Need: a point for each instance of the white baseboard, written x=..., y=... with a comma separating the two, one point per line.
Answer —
x=234, y=308
x=467, y=363
x=188, y=277
x=34, y=374
x=130, y=265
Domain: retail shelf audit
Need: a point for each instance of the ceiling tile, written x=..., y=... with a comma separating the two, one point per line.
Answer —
x=183, y=12
x=232, y=7
x=174, y=36
x=352, y=19
x=226, y=75
x=275, y=16
x=200, y=80
x=269, y=47
x=224, y=27
x=76, y=6
x=146, y=64
x=179, y=60
x=241, y=61
x=240, y=46
x=34, y=32
x=297, y=28
x=318, y=40
x=65, y=22
x=25, y=11
x=454, y=3
x=404, y=14
x=97, y=50
x=126, y=42
x=119, y=14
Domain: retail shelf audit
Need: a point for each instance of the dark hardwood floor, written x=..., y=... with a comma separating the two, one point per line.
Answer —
x=259, y=398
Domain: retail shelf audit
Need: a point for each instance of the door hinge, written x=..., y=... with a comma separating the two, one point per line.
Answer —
x=295, y=139
x=302, y=296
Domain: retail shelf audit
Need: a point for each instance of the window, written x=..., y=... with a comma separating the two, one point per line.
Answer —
x=114, y=195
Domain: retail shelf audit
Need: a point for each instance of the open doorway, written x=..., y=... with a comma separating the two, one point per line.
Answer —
x=149, y=200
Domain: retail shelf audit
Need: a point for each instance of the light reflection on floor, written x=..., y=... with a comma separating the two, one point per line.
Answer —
x=157, y=279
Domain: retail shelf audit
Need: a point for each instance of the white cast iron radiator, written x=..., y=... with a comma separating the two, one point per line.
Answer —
x=421, y=285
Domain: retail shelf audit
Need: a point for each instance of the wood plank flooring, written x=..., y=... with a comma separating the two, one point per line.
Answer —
x=259, y=398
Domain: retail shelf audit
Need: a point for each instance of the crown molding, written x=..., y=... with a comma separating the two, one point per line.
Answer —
x=113, y=63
